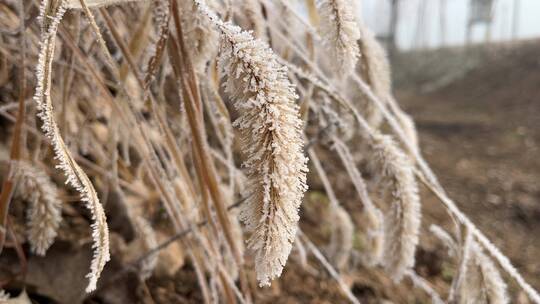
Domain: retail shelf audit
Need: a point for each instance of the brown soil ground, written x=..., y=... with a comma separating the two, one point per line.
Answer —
x=481, y=135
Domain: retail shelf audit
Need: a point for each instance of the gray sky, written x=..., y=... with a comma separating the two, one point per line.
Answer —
x=410, y=35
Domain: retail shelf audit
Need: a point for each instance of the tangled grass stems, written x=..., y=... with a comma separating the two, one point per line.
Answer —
x=258, y=84
x=74, y=174
x=423, y=173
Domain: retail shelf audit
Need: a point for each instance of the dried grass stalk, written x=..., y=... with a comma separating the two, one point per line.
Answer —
x=402, y=222
x=446, y=239
x=253, y=13
x=409, y=128
x=374, y=220
x=200, y=33
x=477, y=280
x=271, y=137
x=375, y=70
x=340, y=31
x=51, y=13
x=481, y=283
x=162, y=14
x=421, y=283
x=341, y=243
x=333, y=272
x=149, y=241
x=45, y=212
x=76, y=4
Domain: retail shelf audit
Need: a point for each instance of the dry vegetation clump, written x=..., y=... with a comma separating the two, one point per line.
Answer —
x=186, y=124
x=44, y=213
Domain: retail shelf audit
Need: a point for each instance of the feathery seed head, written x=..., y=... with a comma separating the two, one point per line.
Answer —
x=342, y=237
x=45, y=212
x=481, y=282
x=402, y=223
x=340, y=31
x=75, y=176
x=374, y=68
x=374, y=65
x=271, y=137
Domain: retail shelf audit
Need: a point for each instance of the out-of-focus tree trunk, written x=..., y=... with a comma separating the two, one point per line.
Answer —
x=394, y=18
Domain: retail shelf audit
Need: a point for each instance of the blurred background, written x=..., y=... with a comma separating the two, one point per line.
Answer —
x=468, y=71
x=417, y=24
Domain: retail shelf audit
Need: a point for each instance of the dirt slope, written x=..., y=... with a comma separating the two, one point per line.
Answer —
x=481, y=134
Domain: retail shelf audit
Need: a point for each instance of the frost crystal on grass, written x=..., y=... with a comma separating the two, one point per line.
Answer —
x=76, y=4
x=74, y=174
x=375, y=70
x=481, y=282
x=272, y=141
x=402, y=223
x=45, y=212
x=199, y=31
x=478, y=280
x=340, y=31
